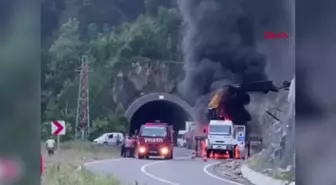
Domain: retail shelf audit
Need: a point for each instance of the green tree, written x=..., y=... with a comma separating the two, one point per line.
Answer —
x=152, y=36
x=60, y=86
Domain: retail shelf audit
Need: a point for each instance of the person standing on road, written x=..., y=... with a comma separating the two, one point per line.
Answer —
x=135, y=137
x=50, y=146
x=129, y=146
x=122, y=146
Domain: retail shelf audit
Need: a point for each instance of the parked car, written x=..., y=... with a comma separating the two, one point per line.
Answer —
x=111, y=138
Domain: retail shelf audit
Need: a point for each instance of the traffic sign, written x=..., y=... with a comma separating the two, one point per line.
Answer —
x=57, y=127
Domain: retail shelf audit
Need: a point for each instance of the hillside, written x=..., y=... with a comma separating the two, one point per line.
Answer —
x=121, y=34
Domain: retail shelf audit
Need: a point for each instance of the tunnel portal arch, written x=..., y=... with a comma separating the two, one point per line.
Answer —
x=159, y=106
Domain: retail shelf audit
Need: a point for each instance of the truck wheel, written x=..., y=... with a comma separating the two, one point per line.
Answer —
x=171, y=156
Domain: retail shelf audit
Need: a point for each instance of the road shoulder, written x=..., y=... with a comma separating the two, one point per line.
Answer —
x=230, y=170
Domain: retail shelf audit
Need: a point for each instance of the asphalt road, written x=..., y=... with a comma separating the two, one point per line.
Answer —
x=182, y=170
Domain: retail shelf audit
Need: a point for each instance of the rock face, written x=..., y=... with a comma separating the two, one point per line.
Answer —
x=143, y=76
x=275, y=122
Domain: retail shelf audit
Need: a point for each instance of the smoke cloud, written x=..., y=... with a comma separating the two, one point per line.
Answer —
x=220, y=43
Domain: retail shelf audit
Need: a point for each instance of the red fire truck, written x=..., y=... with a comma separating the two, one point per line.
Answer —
x=155, y=139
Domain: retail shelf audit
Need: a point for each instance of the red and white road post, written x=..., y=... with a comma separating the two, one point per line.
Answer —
x=57, y=129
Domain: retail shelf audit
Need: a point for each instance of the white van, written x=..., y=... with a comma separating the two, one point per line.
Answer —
x=111, y=138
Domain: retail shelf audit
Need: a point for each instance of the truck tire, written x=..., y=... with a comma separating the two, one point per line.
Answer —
x=171, y=156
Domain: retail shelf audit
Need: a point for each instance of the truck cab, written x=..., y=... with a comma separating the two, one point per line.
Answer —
x=155, y=139
x=221, y=137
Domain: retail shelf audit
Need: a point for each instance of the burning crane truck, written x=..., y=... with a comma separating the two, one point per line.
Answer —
x=227, y=131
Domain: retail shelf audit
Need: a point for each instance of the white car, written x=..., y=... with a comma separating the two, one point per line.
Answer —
x=111, y=138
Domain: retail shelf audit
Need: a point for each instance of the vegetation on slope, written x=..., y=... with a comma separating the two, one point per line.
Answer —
x=112, y=34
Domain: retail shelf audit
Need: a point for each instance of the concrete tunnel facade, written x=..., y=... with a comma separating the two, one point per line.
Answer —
x=165, y=107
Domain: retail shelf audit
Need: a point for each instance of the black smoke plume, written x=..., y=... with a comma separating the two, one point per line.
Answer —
x=220, y=46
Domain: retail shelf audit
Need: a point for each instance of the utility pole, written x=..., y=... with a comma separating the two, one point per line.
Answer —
x=82, y=118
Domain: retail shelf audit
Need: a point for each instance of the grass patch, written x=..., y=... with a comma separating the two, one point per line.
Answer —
x=60, y=169
x=62, y=174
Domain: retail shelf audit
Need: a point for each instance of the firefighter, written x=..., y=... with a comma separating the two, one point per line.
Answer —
x=122, y=146
x=203, y=148
x=118, y=140
x=128, y=149
x=203, y=143
x=196, y=146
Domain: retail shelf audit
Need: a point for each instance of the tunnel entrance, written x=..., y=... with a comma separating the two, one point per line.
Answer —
x=163, y=111
x=166, y=108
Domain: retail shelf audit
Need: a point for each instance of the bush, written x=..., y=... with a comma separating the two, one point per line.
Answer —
x=86, y=147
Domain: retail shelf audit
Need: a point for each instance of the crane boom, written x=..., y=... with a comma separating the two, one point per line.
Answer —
x=216, y=99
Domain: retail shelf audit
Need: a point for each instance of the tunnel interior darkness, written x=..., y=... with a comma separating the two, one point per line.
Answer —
x=164, y=111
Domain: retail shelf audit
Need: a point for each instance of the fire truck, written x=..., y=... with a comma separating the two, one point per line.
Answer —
x=155, y=139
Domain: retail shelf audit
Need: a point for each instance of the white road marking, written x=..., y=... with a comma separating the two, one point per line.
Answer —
x=143, y=170
x=205, y=169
